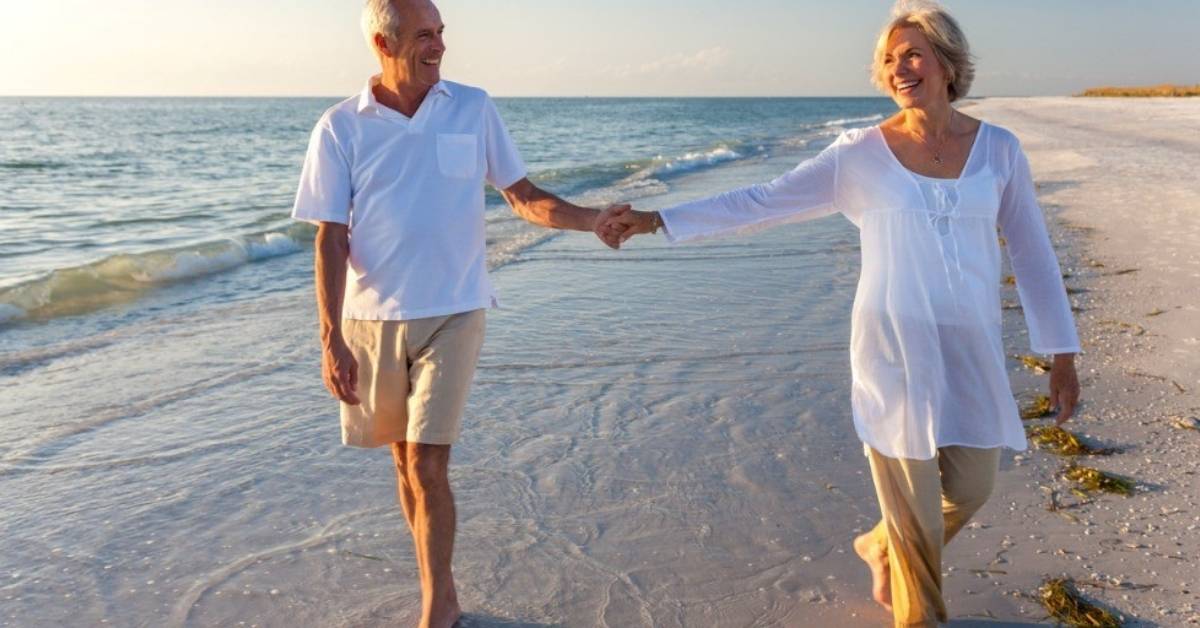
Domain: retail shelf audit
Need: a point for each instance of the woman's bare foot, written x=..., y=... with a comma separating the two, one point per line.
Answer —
x=876, y=558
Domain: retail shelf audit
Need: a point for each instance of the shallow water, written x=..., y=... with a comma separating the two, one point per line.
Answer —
x=656, y=436
x=646, y=439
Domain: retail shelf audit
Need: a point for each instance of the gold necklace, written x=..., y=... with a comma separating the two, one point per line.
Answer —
x=936, y=153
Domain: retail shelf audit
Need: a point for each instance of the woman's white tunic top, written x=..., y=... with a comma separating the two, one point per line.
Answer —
x=925, y=344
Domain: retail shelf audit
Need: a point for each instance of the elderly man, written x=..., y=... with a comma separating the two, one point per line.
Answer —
x=394, y=180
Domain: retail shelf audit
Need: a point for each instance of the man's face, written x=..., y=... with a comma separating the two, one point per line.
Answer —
x=417, y=49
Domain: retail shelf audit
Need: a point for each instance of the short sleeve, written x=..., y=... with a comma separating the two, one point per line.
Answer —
x=807, y=192
x=504, y=165
x=325, y=190
x=1035, y=265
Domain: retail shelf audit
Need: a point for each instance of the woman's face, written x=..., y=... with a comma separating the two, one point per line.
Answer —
x=914, y=76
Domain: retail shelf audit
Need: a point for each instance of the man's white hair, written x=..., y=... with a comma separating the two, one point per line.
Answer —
x=382, y=17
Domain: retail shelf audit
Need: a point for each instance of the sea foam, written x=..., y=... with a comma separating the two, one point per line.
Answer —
x=845, y=121
x=9, y=312
x=124, y=277
x=693, y=160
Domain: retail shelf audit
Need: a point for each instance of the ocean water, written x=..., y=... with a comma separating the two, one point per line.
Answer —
x=658, y=436
x=104, y=200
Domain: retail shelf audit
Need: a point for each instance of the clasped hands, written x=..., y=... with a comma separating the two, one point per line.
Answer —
x=617, y=223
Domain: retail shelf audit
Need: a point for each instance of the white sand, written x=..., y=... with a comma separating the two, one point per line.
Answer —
x=1118, y=178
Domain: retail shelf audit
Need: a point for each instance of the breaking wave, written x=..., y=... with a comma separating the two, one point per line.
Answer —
x=124, y=277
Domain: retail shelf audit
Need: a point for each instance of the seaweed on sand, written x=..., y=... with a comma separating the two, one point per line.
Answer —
x=1133, y=328
x=1185, y=423
x=1037, y=409
x=1096, y=480
x=1035, y=364
x=1062, y=442
x=1064, y=603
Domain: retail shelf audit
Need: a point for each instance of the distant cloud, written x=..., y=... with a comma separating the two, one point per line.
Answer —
x=700, y=62
x=551, y=67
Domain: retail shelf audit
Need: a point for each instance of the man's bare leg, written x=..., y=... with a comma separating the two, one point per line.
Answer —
x=872, y=548
x=404, y=487
x=433, y=526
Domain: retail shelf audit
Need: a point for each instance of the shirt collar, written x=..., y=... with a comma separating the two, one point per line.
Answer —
x=367, y=102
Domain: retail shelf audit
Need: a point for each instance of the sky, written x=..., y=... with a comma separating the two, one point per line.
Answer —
x=579, y=47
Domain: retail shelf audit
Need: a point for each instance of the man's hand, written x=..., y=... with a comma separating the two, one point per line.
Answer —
x=630, y=223
x=1064, y=386
x=608, y=226
x=339, y=369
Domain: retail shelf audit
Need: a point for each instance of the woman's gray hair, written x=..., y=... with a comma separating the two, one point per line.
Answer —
x=382, y=17
x=944, y=34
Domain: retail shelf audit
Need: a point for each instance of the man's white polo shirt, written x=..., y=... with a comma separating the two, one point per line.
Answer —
x=411, y=191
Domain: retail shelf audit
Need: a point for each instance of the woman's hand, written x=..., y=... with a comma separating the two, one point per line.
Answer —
x=1064, y=386
x=637, y=222
x=621, y=222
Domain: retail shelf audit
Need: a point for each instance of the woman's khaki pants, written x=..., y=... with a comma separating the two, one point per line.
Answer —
x=924, y=504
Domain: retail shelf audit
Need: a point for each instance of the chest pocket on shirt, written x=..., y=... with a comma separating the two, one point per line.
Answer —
x=457, y=158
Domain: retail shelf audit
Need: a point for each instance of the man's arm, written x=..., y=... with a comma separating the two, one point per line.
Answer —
x=338, y=367
x=547, y=210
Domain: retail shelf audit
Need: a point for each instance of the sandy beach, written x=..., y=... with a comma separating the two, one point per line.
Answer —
x=1117, y=180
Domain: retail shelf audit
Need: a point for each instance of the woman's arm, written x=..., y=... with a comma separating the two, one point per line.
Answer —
x=1040, y=284
x=805, y=193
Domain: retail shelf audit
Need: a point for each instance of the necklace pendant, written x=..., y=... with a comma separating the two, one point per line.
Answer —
x=937, y=159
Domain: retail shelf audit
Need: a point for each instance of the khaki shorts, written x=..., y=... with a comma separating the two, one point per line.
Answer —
x=413, y=378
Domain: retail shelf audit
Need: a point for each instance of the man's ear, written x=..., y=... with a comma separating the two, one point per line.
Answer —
x=381, y=45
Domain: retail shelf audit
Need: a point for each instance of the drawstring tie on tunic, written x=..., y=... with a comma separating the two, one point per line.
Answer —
x=942, y=219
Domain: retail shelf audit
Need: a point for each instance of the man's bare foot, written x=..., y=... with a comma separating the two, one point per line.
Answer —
x=876, y=558
x=444, y=615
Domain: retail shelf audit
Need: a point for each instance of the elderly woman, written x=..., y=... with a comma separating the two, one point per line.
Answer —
x=927, y=189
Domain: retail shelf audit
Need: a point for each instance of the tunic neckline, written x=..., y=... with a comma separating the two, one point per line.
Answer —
x=915, y=176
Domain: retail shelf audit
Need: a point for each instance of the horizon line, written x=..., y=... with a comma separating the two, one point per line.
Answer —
x=577, y=97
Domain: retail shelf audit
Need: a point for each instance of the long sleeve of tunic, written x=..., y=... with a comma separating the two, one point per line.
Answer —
x=807, y=192
x=1034, y=264
x=926, y=352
